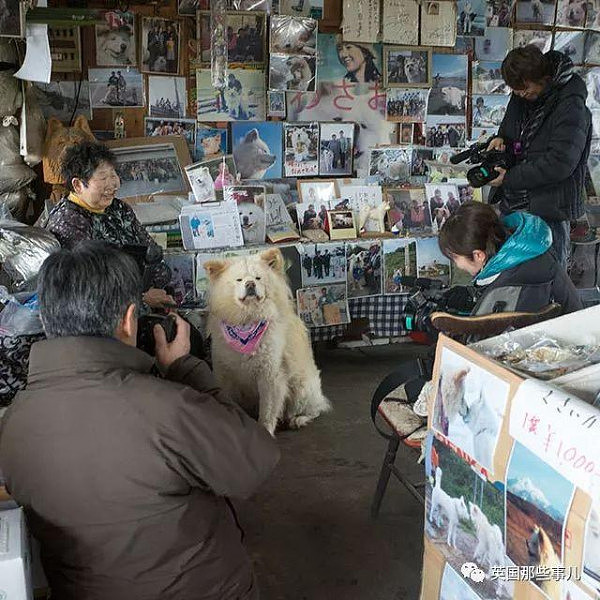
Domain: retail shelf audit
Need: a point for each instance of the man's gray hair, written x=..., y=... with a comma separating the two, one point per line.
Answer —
x=86, y=291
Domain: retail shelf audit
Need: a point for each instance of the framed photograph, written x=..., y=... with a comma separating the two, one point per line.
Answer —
x=406, y=66
x=364, y=263
x=390, y=165
x=336, y=148
x=62, y=99
x=116, y=88
x=406, y=105
x=242, y=100
x=341, y=224
x=292, y=73
x=115, y=40
x=317, y=190
x=258, y=149
x=322, y=306
x=160, y=45
x=12, y=19
x=148, y=166
x=301, y=148
x=276, y=104
x=186, y=128
x=246, y=39
x=166, y=96
x=210, y=142
x=201, y=182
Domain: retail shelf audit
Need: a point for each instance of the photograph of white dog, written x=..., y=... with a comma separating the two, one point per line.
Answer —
x=406, y=66
x=115, y=40
x=364, y=262
x=262, y=356
x=537, y=504
x=465, y=518
x=536, y=11
x=540, y=39
x=257, y=149
x=390, y=165
x=250, y=202
x=469, y=407
x=591, y=53
x=591, y=549
x=571, y=13
x=336, y=148
x=301, y=147
x=449, y=89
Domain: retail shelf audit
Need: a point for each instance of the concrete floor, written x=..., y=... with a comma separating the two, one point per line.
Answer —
x=309, y=529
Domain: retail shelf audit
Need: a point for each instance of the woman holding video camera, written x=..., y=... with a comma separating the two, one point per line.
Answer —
x=91, y=212
x=509, y=259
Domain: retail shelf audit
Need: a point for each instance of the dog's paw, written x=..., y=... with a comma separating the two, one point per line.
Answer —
x=299, y=421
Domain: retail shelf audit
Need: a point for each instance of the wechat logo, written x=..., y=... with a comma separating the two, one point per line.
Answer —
x=471, y=571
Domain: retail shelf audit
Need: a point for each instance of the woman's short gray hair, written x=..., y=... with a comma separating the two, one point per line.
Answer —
x=87, y=290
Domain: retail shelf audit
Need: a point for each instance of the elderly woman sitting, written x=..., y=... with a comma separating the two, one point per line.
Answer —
x=91, y=211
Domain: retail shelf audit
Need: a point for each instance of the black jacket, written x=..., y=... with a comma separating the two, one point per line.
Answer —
x=548, y=181
x=529, y=287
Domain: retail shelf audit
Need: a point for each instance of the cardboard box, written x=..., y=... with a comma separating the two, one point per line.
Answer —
x=582, y=327
x=15, y=557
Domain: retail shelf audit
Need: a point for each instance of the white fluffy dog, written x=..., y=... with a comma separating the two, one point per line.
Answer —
x=454, y=509
x=490, y=547
x=261, y=349
x=327, y=158
x=542, y=553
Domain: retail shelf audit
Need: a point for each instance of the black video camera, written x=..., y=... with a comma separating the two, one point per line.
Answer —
x=427, y=296
x=486, y=161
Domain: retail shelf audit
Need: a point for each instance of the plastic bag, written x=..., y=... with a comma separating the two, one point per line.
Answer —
x=14, y=173
x=21, y=314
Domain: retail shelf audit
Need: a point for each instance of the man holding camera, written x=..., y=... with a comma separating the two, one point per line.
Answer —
x=123, y=475
x=547, y=127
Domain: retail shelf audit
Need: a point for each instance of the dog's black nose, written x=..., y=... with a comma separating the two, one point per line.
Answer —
x=245, y=220
x=250, y=288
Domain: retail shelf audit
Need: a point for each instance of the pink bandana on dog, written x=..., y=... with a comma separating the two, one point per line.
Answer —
x=244, y=338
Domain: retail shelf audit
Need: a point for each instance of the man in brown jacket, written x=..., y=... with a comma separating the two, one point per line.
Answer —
x=123, y=475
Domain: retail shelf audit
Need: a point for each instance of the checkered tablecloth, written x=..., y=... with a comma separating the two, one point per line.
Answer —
x=385, y=314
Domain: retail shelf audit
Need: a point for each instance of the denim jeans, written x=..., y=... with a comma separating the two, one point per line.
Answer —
x=561, y=241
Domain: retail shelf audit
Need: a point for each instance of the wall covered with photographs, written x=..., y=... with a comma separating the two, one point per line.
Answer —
x=300, y=130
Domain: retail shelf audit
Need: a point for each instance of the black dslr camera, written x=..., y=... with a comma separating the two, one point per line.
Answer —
x=427, y=296
x=486, y=161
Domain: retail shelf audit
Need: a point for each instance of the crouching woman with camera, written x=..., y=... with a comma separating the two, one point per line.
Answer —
x=509, y=258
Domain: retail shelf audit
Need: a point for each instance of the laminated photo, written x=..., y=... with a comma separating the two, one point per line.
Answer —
x=499, y=13
x=488, y=111
x=390, y=166
x=449, y=90
x=323, y=264
x=465, y=520
x=539, y=38
x=591, y=549
x=317, y=190
x=406, y=134
x=468, y=396
x=487, y=78
x=166, y=96
x=323, y=305
x=592, y=80
x=341, y=224
x=243, y=99
x=312, y=216
x=540, y=12
x=471, y=19
x=418, y=167
x=186, y=128
x=592, y=20
x=409, y=211
x=571, y=13
x=276, y=104
x=570, y=43
x=250, y=203
x=182, y=284
x=201, y=182
x=292, y=73
x=591, y=53
x=160, y=42
x=210, y=142
x=399, y=261
x=431, y=263
x=406, y=66
x=257, y=149
x=122, y=88
x=212, y=225
x=63, y=99
x=438, y=23
x=336, y=148
x=115, y=40
x=406, y=105
x=538, y=499
x=347, y=90
x=301, y=147
x=293, y=35
x=246, y=39
x=444, y=200
x=440, y=133
x=222, y=170
x=364, y=263
x=495, y=44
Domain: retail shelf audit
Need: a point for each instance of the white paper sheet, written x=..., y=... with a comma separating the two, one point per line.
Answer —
x=561, y=429
x=211, y=225
x=37, y=65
